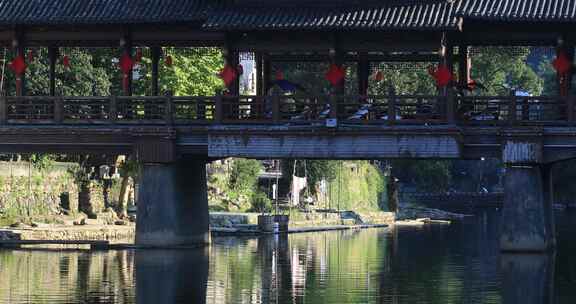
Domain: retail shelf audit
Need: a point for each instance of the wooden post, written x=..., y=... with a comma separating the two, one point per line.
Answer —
x=333, y=106
x=570, y=108
x=450, y=108
x=52, y=56
x=259, y=74
x=363, y=73
x=512, y=107
x=463, y=66
x=218, y=109
x=113, y=110
x=58, y=110
x=169, y=111
x=275, y=108
x=3, y=114
x=391, y=107
x=128, y=50
x=266, y=73
x=156, y=52
x=21, y=90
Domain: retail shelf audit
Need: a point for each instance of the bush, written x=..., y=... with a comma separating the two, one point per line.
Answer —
x=261, y=203
x=244, y=175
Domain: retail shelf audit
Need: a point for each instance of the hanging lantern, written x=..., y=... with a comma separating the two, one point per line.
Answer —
x=441, y=74
x=379, y=76
x=66, y=61
x=279, y=75
x=18, y=65
x=139, y=56
x=562, y=64
x=335, y=74
x=126, y=65
x=168, y=60
x=228, y=74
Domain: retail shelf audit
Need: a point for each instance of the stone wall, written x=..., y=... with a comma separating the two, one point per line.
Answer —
x=111, y=233
x=377, y=217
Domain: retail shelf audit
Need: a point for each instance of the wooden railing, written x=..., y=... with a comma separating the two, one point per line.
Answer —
x=386, y=110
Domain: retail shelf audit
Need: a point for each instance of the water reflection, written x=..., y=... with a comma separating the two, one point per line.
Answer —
x=171, y=276
x=439, y=264
x=528, y=278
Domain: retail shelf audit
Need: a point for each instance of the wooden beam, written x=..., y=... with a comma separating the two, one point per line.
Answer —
x=156, y=52
x=128, y=49
x=21, y=80
x=266, y=73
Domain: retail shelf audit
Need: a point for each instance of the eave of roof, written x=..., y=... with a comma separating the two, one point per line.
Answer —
x=518, y=10
x=78, y=12
x=426, y=15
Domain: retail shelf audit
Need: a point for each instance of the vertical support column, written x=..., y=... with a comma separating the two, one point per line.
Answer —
x=259, y=74
x=156, y=52
x=128, y=50
x=20, y=51
x=232, y=60
x=52, y=56
x=266, y=73
x=463, y=68
x=363, y=73
x=173, y=198
x=527, y=218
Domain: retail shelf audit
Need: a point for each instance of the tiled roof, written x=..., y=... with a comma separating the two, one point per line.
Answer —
x=429, y=14
x=519, y=10
x=26, y=12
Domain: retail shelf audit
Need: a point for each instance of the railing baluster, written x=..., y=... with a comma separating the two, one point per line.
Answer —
x=391, y=109
x=570, y=108
x=58, y=110
x=218, y=109
x=275, y=108
x=512, y=107
x=3, y=108
x=169, y=111
x=450, y=108
x=113, y=115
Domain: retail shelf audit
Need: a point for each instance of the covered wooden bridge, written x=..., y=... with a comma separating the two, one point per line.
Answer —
x=346, y=112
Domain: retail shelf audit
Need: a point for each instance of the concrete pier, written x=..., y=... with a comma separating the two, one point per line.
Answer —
x=173, y=204
x=527, y=218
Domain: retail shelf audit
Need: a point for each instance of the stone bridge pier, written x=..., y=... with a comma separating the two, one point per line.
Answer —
x=527, y=223
x=172, y=200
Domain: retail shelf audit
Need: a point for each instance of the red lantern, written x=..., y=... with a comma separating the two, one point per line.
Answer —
x=126, y=65
x=139, y=55
x=279, y=75
x=228, y=74
x=18, y=65
x=169, y=60
x=66, y=61
x=562, y=64
x=441, y=74
x=335, y=74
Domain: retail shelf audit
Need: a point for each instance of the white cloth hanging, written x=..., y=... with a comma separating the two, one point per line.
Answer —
x=298, y=184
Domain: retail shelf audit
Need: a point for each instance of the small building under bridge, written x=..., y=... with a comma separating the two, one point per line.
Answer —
x=341, y=112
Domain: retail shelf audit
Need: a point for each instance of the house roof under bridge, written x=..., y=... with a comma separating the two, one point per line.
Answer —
x=317, y=15
x=62, y=12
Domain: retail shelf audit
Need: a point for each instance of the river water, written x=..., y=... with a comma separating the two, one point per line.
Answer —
x=459, y=263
